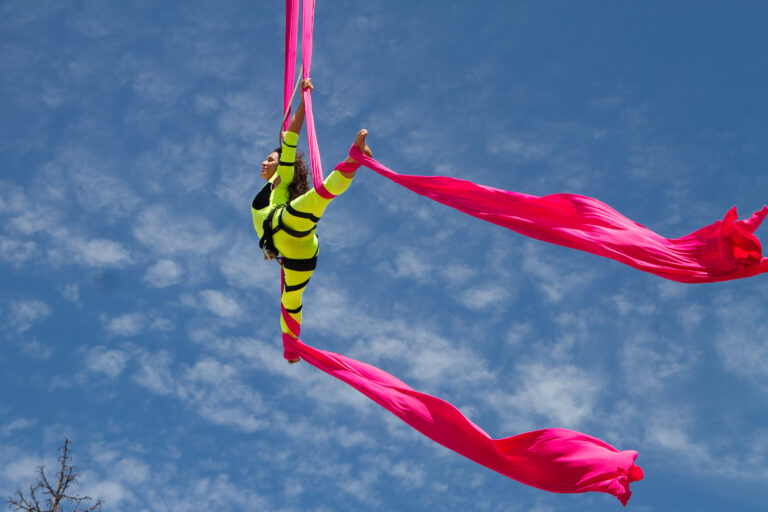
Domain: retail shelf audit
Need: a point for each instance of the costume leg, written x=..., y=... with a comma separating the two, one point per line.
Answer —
x=306, y=210
x=304, y=213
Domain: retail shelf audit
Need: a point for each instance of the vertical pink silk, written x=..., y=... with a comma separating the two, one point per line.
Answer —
x=555, y=460
x=724, y=250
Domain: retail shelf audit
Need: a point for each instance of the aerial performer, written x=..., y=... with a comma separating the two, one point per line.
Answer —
x=286, y=212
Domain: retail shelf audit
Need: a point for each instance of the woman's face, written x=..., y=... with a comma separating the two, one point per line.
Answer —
x=269, y=165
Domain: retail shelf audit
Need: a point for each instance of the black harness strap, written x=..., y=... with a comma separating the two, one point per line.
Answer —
x=292, y=232
x=294, y=310
x=303, y=215
x=267, y=244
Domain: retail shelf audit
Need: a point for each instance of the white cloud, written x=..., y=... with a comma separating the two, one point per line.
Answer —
x=650, y=361
x=71, y=292
x=215, y=390
x=245, y=117
x=631, y=306
x=244, y=266
x=37, y=350
x=742, y=338
x=153, y=83
x=517, y=149
x=15, y=425
x=109, y=362
x=163, y=273
x=220, y=304
x=480, y=298
x=556, y=279
x=30, y=222
x=99, y=253
x=17, y=252
x=564, y=395
x=24, y=314
x=165, y=233
x=129, y=324
x=409, y=264
x=155, y=373
x=673, y=431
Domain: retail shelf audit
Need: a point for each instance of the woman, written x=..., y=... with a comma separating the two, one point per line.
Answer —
x=286, y=211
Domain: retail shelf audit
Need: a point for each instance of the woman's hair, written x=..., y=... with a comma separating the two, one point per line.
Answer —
x=300, y=182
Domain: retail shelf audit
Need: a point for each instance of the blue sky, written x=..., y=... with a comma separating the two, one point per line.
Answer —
x=139, y=319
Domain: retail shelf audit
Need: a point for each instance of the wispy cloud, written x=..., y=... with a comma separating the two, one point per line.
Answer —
x=163, y=273
x=742, y=339
x=563, y=395
x=556, y=279
x=24, y=314
x=14, y=425
x=220, y=304
x=37, y=350
x=98, y=253
x=650, y=361
x=110, y=362
x=17, y=252
x=486, y=296
x=168, y=234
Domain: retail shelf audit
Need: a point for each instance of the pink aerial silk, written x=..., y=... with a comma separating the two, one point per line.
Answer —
x=555, y=460
x=724, y=250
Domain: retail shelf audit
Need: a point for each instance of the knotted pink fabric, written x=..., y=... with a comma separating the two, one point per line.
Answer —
x=724, y=250
x=555, y=459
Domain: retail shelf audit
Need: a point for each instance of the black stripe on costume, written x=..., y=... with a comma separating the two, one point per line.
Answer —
x=294, y=287
x=285, y=164
x=289, y=145
x=293, y=310
x=304, y=215
x=300, y=265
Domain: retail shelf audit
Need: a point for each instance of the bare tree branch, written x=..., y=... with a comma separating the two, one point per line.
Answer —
x=56, y=498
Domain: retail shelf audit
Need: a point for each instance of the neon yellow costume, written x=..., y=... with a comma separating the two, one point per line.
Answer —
x=293, y=224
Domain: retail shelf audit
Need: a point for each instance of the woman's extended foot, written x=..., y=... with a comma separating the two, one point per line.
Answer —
x=360, y=144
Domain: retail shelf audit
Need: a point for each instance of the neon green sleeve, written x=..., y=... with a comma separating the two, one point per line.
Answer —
x=279, y=193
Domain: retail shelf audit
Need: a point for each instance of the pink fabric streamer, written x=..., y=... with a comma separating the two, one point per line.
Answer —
x=724, y=250
x=555, y=460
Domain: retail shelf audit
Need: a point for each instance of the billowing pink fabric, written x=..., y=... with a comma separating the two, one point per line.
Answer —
x=724, y=250
x=555, y=460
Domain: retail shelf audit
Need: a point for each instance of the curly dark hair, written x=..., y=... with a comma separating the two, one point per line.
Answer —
x=300, y=182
